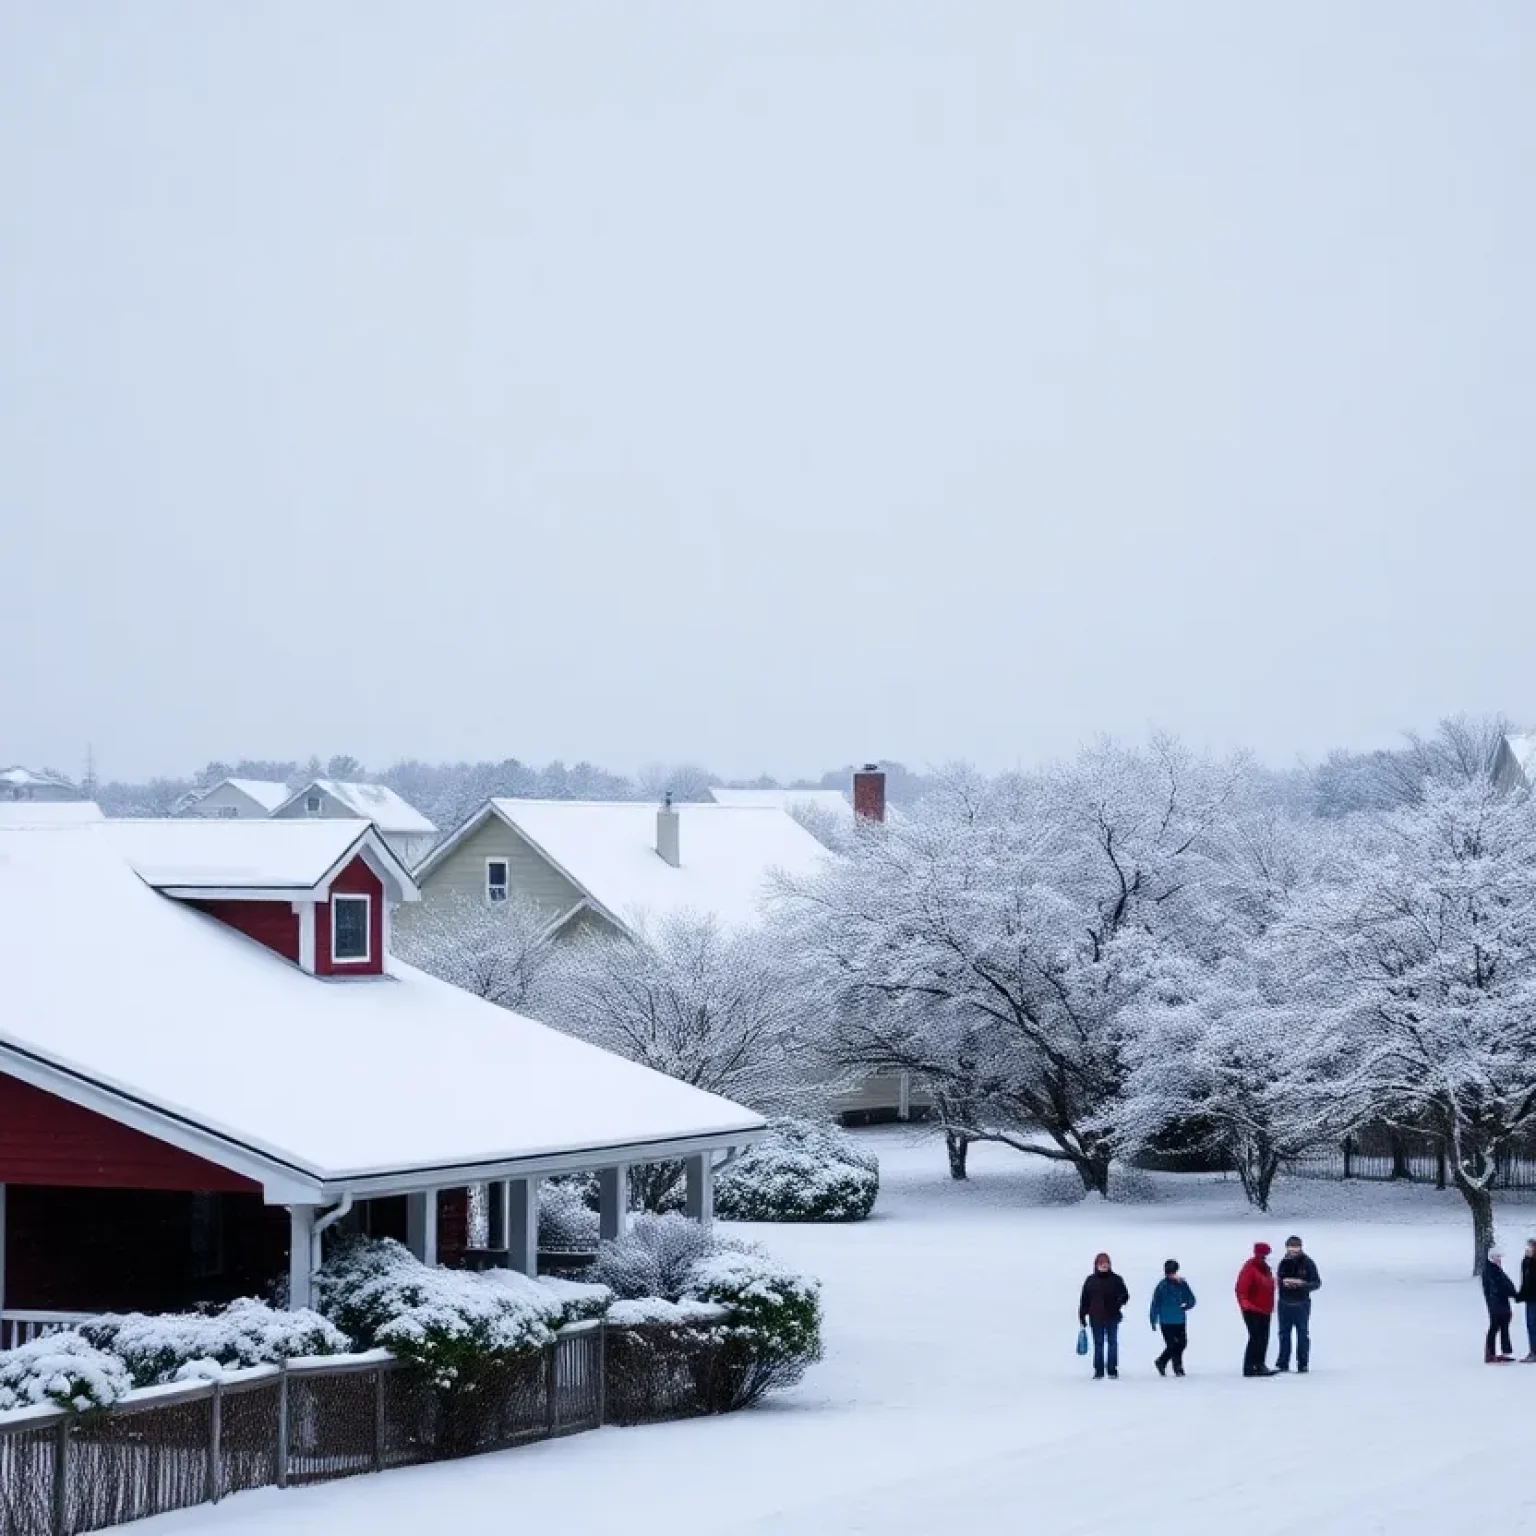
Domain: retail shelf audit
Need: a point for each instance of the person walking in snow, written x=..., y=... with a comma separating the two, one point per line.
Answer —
x=1172, y=1301
x=1297, y=1278
x=1101, y=1307
x=1256, y=1298
x=1499, y=1293
x=1527, y=1294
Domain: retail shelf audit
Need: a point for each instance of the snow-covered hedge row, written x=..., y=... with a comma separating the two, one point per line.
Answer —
x=62, y=1371
x=186, y=1346
x=448, y=1321
x=765, y=1317
x=801, y=1171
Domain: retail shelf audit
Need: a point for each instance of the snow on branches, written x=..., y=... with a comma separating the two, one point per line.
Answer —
x=497, y=950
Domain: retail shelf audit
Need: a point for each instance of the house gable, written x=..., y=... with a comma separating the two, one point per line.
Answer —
x=46, y=1140
x=461, y=870
x=356, y=880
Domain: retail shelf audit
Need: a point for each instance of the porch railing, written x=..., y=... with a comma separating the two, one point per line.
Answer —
x=17, y=1328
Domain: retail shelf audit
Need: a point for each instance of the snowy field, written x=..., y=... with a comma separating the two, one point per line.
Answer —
x=951, y=1397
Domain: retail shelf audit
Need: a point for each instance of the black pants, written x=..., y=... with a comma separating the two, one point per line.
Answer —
x=1258, y=1342
x=1175, y=1342
x=1498, y=1331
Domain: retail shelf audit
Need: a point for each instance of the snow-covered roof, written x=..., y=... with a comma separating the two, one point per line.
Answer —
x=164, y=1011
x=47, y=813
x=267, y=793
x=1522, y=748
x=833, y=801
x=608, y=850
x=25, y=778
x=196, y=854
x=370, y=802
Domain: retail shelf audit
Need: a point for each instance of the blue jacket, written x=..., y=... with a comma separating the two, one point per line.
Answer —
x=1170, y=1301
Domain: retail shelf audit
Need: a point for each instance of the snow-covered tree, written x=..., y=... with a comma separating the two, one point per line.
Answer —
x=1419, y=956
x=721, y=1010
x=992, y=942
x=497, y=950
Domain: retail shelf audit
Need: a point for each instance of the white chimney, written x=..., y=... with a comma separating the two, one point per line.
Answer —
x=668, y=833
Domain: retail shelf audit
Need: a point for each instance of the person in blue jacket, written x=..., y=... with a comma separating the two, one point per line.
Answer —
x=1172, y=1301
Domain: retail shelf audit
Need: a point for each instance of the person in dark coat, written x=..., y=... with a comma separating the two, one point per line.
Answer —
x=1172, y=1301
x=1101, y=1307
x=1256, y=1298
x=1296, y=1278
x=1527, y=1294
x=1499, y=1293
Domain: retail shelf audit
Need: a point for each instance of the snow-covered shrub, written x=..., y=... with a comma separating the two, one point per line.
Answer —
x=567, y=1223
x=654, y=1258
x=448, y=1321
x=775, y=1311
x=61, y=1370
x=245, y=1333
x=801, y=1171
x=1059, y=1184
x=1130, y=1185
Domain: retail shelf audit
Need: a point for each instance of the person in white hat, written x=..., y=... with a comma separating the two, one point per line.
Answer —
x=1499, y=1293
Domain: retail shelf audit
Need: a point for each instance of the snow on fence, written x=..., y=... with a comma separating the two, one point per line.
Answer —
x=1378, y=1152
x=171, y=1447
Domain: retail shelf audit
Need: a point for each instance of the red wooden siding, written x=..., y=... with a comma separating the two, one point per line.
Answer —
x=355, y=880
x=273, y=923
x=46, y=1140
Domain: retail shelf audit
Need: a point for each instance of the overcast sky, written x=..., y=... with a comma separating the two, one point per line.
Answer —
x=769, y=384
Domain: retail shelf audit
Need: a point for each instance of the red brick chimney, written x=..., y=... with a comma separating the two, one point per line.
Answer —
x=869, y=793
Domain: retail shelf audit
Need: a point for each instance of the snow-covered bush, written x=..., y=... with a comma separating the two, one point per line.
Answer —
x=61, y=1370
x=450, y=1322
x=801, y=1171
x=739, y=1324
x=567, y=1223
x=245, y=1333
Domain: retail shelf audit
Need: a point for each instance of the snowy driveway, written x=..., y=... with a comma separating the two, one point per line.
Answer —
x=951, y=1396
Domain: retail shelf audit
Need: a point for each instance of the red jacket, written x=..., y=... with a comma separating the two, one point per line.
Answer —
x=1256, y=1283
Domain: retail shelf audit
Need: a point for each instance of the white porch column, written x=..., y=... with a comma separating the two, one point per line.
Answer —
x=612, y=1200
x=700, y=1170
x=421, y=1225
x=523, y=1226
x=496, y=1215
x=301, y=1256
x=904, y=1096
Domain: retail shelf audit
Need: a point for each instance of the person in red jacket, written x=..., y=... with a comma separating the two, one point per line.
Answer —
x=1256, y=1297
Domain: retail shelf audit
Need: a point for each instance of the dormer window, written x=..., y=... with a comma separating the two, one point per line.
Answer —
x=496, y=879
x=312, y=805
x=350, y=924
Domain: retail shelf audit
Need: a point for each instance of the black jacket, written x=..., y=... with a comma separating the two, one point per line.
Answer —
x=1527, y=1291
x=1498, y=1288
x=1103, y=1299
x=1300, y=1268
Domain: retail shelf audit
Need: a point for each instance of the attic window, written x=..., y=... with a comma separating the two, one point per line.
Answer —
x=496, y=879
x=349, y=929
x=312, y=805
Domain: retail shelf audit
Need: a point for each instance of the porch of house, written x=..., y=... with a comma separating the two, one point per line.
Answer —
x=69, y=1252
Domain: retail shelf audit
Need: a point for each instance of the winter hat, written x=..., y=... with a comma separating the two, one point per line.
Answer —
x=1170, y=1266
x=1494, y=1255
x=1293, y=1242
x=1262, y=1250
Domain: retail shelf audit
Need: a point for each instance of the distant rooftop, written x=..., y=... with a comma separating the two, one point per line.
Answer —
x=369, y=802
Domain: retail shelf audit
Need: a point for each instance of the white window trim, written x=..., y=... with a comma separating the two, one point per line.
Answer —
x=319, y=805
x=367, y=955
x=506, y=864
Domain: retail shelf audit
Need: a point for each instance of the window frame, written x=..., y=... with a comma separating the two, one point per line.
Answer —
x=506, y=882
x=313, y=805
x=367, y=955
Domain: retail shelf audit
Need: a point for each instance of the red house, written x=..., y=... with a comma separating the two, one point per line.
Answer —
x=208, y=1057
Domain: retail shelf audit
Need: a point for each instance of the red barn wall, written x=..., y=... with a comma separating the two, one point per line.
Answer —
x=46, y=1140
x=355, y=880
x=273, y=923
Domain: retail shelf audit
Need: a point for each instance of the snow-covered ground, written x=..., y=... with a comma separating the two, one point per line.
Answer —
x=951, y=1396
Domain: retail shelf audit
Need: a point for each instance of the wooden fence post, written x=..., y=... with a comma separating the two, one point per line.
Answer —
x=61, y=1479
x=552, y=1387
x=378, y=1421
x=215, y=1444
x=282, y=1425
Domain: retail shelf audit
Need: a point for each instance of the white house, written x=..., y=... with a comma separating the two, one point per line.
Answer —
x=232, y=1041
x=17, y=783
x=621, y=866
x=402, y=826
x=252, y=799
